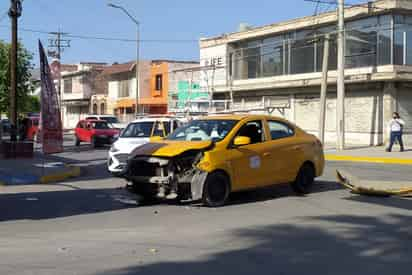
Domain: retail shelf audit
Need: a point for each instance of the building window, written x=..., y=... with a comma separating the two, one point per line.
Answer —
x=95, y=109
x=124, y=88
x=159, y=82
x=361, y=43
x=102, y=109
x=68, y=86
x=272, y=57
x=302, y=54
x=368, y=42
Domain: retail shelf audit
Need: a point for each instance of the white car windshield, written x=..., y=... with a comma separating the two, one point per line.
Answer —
x=201, y=130
x=138, y=130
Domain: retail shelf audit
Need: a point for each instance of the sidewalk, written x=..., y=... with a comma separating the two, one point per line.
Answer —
x=40, y=169
x=369, y=154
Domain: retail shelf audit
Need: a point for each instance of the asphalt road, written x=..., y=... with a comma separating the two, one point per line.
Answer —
x=91, y=225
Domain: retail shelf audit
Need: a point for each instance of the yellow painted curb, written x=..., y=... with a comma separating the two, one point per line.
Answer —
x=369, y=159
x=73, y=172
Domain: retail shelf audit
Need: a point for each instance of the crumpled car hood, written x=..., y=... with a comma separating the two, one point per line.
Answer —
x=168, y=148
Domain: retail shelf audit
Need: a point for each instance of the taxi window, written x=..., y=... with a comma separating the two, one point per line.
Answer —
x=279, y=130
x=253, y=130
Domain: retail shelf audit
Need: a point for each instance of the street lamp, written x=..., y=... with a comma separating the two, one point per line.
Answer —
x=137, y=50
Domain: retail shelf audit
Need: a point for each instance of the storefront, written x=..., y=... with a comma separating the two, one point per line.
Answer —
x=73, y=111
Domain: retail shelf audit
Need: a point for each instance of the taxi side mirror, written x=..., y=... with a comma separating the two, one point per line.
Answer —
x=156, y=138
x=241, y=141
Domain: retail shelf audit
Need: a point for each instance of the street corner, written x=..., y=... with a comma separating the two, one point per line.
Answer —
x=69, y=171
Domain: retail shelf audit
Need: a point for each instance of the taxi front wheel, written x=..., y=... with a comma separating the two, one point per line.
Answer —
x=216, y=190
x=304, y=180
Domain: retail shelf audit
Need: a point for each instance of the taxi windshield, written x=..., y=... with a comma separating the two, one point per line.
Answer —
x=204, y=130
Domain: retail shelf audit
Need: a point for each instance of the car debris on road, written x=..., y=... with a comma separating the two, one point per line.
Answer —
x=373, y=188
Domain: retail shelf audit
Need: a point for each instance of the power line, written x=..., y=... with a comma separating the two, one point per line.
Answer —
x=369, y=4
x=86, y=37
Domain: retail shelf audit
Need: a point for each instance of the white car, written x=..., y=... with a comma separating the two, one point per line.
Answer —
x=136, y=134
x=112, y=120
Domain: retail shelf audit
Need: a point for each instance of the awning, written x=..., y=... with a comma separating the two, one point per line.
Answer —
x=126, y=103
x=153, y=101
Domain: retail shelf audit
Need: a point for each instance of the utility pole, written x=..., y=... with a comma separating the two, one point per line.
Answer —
x=340, y=103
x=324, y=88
x=14, y=14
x=137, y=51
x=137, y=68
x=57, y=44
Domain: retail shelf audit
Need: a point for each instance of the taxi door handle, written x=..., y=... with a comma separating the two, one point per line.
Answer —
x=296, y=148
x=267, y=154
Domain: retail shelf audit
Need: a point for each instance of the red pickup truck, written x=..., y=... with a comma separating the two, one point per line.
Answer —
x=96, y=132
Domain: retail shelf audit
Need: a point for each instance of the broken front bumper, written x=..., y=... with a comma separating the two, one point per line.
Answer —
x=189, y=187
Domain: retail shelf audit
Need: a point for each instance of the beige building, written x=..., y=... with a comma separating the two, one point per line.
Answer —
x=277, y=69
x=121, y=81
x=79, y=83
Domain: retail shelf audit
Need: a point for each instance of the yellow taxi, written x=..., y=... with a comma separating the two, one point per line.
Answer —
x=213, y=156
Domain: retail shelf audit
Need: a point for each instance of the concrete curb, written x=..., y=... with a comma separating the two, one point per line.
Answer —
x=399, y=161
x=74, y=171
x=69, y=172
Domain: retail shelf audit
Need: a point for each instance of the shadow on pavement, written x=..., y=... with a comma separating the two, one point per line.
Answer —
x=350, y=245
x=278, y=191
x=395, y=202
x=57, y=204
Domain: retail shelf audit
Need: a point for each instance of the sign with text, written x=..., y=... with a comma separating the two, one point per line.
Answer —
x=50, y=130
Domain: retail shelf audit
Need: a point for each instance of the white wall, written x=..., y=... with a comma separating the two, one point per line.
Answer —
x=210, y=78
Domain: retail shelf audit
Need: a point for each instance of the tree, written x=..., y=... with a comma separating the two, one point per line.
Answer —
x=24, y=82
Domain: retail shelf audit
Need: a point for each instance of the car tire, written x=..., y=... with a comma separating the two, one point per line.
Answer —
x=216, y=190
x=304, y=180
x=77, y=141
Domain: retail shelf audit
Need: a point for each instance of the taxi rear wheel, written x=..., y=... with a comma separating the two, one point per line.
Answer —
x=216, y=190
x=304, y=180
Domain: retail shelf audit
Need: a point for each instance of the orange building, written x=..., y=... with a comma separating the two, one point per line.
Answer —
x=156, y=103
x=163, y=83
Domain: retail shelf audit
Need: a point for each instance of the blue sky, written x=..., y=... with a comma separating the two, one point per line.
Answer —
x=160, y=20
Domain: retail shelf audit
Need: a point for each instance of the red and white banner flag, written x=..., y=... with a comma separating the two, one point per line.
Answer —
x=50, y=130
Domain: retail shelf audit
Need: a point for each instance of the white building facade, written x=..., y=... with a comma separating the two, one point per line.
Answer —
x=277, y=69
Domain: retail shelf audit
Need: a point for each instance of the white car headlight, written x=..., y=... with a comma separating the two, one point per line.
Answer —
x=114, y=149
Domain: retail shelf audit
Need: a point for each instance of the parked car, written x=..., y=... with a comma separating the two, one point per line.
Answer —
x=136, y=134
x=96, y=132
x=112, y=120
x=5, y=124
x=211, y=157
